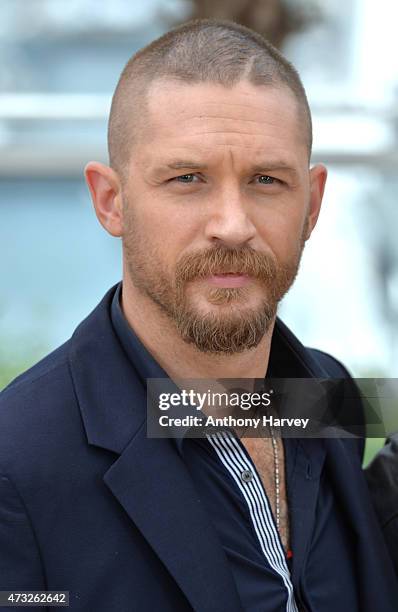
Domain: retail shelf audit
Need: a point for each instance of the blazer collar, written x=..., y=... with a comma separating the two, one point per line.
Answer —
x=289, y=358
x=110, y=396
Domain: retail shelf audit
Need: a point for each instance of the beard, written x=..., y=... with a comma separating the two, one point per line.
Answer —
x=232, y=327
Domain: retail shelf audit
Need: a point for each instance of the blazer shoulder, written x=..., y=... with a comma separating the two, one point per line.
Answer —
x=55, y=361
x=333, y=366
x=36, y=403
x=335, y=369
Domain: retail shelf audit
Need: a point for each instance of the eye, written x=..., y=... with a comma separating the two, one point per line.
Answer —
x=185, y=178
x=265, y=179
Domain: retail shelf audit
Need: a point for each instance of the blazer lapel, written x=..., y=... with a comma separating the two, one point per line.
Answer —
x=149, y=478
x=153, y=485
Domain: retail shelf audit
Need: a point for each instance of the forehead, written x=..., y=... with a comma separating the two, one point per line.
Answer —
x=212, y=117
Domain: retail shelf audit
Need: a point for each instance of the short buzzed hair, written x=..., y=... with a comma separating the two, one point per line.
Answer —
x=198, y=51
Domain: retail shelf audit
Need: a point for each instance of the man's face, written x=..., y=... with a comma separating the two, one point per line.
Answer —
x=216, y=209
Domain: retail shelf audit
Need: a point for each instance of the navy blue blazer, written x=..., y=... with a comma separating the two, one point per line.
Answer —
x=89, y=504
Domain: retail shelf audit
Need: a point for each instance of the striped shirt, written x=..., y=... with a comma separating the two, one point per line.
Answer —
x=236, y=461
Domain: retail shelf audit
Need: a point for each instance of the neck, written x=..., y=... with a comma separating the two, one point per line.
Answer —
x=182, y=360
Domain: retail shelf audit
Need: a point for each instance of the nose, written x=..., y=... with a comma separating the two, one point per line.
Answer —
x=228, y=219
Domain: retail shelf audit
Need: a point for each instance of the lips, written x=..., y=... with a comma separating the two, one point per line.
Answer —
x=233, y=272
x=229, y=279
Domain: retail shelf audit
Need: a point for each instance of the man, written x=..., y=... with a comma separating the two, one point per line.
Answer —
x=210, y=189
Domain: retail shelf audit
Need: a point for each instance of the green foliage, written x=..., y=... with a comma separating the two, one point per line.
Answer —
x=373, y=445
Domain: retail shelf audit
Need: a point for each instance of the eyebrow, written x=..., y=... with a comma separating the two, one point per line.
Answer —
x=270, y=166
x=178, y=165
x=275, y=166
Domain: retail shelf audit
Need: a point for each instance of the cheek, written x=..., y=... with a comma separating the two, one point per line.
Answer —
x=173, y=230
x=161, y=237
x=282, y=234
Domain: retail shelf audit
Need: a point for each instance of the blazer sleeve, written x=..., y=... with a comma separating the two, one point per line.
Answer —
x=20, y=563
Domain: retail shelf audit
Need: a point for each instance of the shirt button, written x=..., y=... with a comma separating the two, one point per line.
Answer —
x=246, y=476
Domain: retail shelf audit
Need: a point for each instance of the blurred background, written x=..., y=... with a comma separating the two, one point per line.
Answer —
x=60, y=61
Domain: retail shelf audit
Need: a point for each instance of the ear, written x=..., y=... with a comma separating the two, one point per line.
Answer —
x=105, y=189
x=318, y=175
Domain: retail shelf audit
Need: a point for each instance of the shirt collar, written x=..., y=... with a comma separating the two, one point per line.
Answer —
x=144, y=364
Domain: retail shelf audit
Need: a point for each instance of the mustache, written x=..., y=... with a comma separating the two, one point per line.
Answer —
x=219, y=260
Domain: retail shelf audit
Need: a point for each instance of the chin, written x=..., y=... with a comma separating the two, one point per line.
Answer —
x=225, y=304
